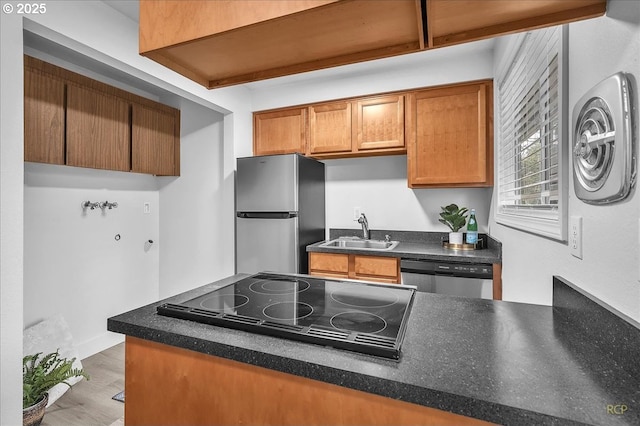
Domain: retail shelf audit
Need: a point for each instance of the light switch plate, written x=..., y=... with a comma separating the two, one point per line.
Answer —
x=356, y=213
x=146, y=207
x=575, y=236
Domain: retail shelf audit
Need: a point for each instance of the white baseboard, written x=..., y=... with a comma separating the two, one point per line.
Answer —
x=98, y=344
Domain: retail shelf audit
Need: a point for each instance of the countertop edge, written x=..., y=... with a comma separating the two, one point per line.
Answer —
x=432, y=398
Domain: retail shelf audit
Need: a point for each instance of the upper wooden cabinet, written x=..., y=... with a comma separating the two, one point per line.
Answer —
x=280, y=132
x=221, y=43
x=153, y=147
x=450, y=136
x=73, y=120
x=336, y=129
x=98, y=130
x=330, y=128
x=446, y=132
x=379, y=123
x=44, y=117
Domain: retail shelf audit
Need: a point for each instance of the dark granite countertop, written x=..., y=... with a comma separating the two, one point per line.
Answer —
x=504, y=362
x=417, y=245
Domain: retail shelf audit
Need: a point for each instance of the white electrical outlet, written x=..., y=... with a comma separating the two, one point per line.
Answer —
x=356, y=213
x=146, y=207
x=575, y=236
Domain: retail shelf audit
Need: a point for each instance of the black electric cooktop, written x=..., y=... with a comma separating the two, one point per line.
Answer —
x=363, y=317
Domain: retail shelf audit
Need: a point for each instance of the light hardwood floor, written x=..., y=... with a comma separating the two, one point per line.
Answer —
x=89, y=402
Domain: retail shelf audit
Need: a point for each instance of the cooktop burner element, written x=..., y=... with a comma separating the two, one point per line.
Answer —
x=362, y=297
x=232, y=300
x=279, y=286
x=288, y=311
x=363, y=317
x=362, y=322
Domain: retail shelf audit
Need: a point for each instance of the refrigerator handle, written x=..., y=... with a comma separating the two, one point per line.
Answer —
x=267, y=215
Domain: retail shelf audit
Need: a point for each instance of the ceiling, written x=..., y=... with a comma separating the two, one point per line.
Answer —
x=129, y=8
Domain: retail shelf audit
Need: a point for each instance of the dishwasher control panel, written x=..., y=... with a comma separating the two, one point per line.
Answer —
x=465, y=270
x=462, y=270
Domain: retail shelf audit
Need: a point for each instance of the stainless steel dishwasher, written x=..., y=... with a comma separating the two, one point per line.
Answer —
x=455, y=279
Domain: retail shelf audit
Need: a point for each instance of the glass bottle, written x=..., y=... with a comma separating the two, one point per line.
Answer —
x=472, y=228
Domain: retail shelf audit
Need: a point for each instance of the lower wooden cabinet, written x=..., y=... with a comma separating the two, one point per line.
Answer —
x=168, y=385
x=355, y=266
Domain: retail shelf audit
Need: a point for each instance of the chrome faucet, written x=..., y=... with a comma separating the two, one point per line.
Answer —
x=362, y=220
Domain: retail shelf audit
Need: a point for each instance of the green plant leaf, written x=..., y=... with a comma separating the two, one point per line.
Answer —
x=453, y=216
x=39, y=377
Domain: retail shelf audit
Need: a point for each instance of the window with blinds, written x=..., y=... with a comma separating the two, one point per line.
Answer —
x=531, y=147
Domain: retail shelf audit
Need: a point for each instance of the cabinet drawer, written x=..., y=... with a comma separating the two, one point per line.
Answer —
x=329, y=262
x=376, y=267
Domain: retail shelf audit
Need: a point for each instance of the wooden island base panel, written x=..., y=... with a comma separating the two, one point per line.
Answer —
x=166, y=385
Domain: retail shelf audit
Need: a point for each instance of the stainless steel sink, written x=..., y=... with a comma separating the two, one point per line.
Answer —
x=349, y=243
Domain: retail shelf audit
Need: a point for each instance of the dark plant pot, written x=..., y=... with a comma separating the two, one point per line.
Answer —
x=32, y=416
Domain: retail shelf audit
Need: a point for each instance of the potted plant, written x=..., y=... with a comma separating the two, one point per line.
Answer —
x=455, y=218
x=38, y=376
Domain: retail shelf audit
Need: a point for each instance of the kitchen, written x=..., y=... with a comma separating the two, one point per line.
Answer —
x=181, y=206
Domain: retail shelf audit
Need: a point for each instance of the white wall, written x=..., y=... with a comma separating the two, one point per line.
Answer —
x=598, y=48
x=11, y=176
x=73, y=264
x=102, y=34
x=193, y=212
x=379, y=184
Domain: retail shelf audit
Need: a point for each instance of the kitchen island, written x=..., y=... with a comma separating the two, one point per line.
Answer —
x=462, y=359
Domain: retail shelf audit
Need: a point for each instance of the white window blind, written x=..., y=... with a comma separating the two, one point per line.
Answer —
x=531, y=182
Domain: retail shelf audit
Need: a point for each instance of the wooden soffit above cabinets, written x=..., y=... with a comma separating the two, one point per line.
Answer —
x=452, y=22
x=226, y=42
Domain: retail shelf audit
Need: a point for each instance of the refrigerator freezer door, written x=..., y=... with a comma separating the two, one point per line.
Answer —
x=267, y=245
x=267, y=184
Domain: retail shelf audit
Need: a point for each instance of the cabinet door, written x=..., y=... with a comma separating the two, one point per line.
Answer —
x=376, y=268
x=330, y=128
x=154, y=146
x=379, y=123
x=451, y=138
x=329, y=264
x=43, y=118
x=98, y=130
x=280, y=132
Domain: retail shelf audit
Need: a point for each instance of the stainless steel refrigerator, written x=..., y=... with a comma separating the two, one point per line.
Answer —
x=280, y=209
